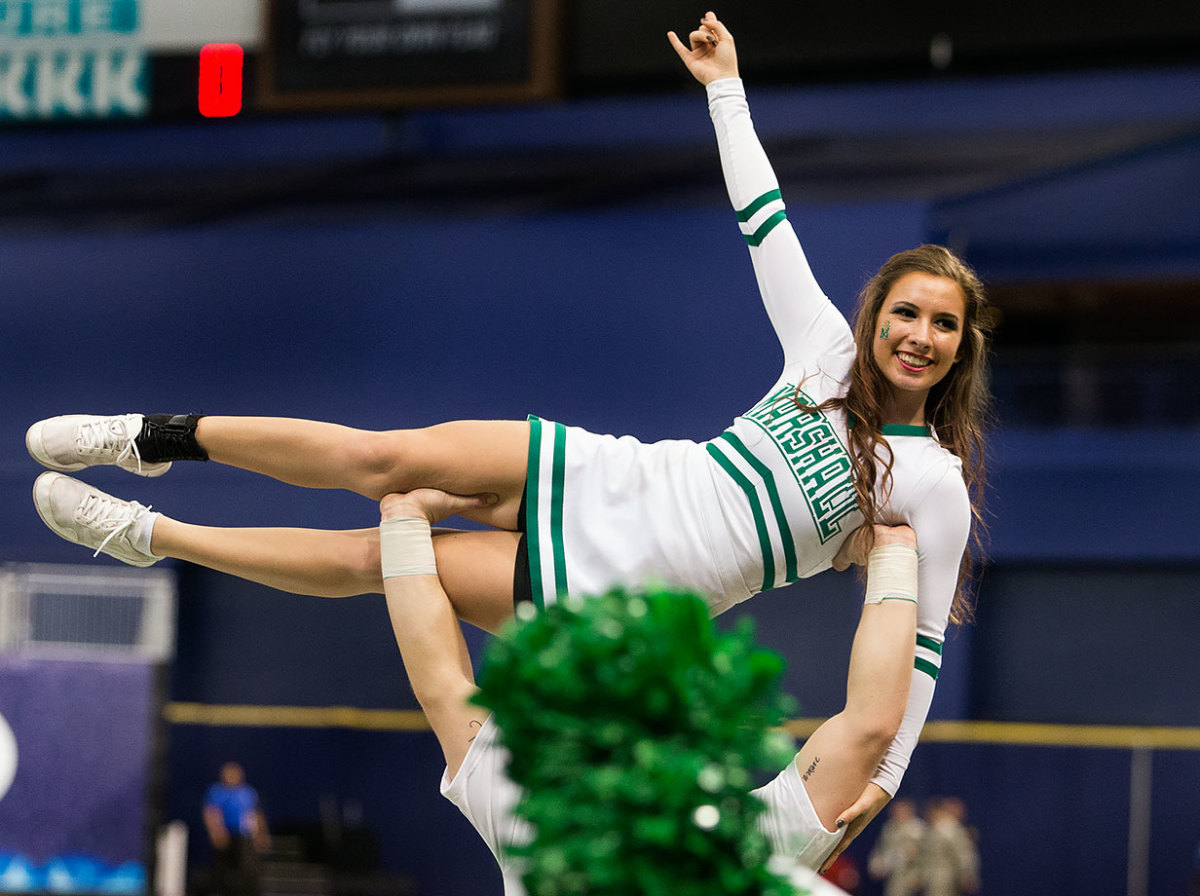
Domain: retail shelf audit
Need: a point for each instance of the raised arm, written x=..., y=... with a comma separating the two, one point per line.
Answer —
x=805, y=321
x=426, y=628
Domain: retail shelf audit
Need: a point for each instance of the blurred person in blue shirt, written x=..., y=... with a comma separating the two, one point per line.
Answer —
x=237, y=830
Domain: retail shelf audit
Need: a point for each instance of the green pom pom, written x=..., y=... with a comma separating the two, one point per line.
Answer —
x=635, y=730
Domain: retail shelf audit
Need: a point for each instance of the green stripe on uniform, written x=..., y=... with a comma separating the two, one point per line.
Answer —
x=929, y=644
x=904, y=429
x=785, y=532
x=760, y=521
x=532, y=538
x=754, y=239
x=557, y=481
x=748, y=212
x=923, y=665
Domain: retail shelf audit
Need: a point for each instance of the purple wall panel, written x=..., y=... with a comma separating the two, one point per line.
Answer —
x=83, y=740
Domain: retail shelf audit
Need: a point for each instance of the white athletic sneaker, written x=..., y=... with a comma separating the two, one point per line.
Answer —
x=87, y=516
x=75, y=441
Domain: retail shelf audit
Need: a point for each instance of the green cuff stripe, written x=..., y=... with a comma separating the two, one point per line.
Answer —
x=927, y=667
x=748, y=212
x=532, y=535
x=760, y=521
x=785, y=532
x=754, y=239
x=929, y=644
x=558, y=479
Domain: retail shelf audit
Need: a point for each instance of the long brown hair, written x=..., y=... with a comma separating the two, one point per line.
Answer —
x=958, y=407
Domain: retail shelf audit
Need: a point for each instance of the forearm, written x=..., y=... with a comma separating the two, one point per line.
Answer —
x=896, y=758
x=843, y=754
x=744, y=163
x=941, y=517
x=429, y=636
x=804, y=320
x=215, y=825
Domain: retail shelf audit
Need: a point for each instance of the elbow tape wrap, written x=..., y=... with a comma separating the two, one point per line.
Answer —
x=891, y=574
x=406, y=548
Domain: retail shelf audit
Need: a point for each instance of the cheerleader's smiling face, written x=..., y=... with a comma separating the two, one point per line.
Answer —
x=918, y=333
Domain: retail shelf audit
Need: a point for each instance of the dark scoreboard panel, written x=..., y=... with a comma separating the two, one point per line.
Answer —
x=331, y=54
x=323, y=56
x=852, y=39
x=344, y=54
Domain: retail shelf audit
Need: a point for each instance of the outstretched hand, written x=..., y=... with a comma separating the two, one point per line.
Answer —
x=430, y=504
x=711, y=54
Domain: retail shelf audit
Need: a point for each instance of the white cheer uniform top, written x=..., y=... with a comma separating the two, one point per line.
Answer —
x=770, y=500
x=802, y=498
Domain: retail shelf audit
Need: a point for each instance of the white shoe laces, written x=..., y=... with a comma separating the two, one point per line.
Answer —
x=104, y=512
x=98, y=436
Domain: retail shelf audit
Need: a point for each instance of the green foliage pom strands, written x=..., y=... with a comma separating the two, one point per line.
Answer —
x=635, y=729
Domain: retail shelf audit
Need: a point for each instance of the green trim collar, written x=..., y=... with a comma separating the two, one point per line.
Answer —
x=905, y=429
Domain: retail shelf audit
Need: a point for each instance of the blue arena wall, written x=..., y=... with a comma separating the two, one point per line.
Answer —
x=625, y=318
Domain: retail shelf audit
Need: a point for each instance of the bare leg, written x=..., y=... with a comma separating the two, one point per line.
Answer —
x=476, y=567
x=465, y=457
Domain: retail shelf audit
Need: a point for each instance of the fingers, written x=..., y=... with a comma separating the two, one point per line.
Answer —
x=715, y=27
x=449, y=504
x=710, y=33
x=852, y=813
x=700, y=43
x=845, y=820
x=902, y=535
x=853, y=551
x=432, y=504
x=683, y=51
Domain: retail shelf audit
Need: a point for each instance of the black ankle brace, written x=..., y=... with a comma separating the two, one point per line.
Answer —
x=169, y=437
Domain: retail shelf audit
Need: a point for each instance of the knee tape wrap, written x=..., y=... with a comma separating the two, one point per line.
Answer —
x=406, y=548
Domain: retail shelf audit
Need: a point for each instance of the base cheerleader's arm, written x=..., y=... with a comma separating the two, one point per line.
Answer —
x=883, y=786
x=423, y=620
x=841, y=756
x=878, y=686
x=942, y=521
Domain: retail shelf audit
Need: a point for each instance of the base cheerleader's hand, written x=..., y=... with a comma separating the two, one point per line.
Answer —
x=857, y=547
x=711, y=55
x=869, y=804
x=430, y=504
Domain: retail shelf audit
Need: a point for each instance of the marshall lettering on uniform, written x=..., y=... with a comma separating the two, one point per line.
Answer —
x=814, y=453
